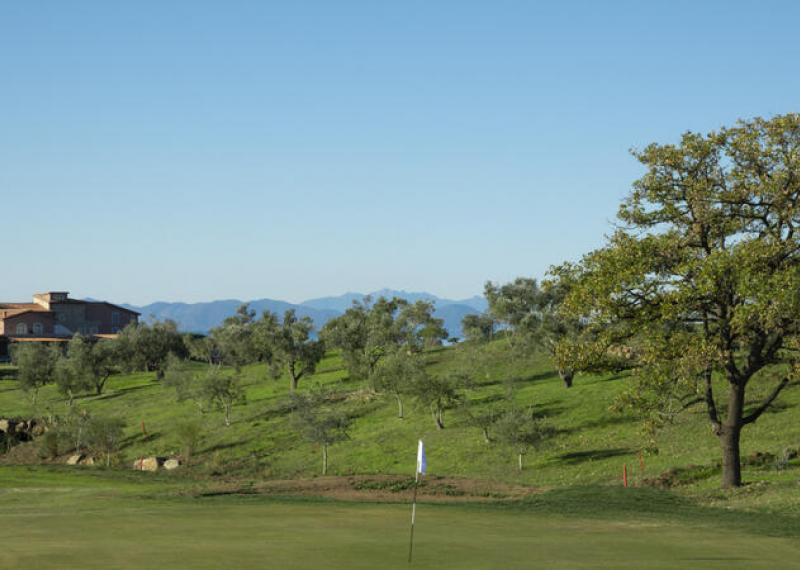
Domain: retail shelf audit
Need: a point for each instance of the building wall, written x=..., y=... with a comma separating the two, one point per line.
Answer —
x=107, y=318
x=30, y=320
x=72, y=316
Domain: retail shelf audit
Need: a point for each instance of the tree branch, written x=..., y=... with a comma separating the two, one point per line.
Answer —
x=766, y=404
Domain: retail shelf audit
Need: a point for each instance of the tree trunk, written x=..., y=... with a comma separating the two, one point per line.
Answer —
x=519, y=461
x=486, y=437
x=399, y=407
x=228, y=415
x=566, y=376
x=731, y=460
x=729, y=437
x=438, y=417
x=325, y=459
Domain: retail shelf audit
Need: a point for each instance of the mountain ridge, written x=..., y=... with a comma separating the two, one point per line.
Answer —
x=200, y=317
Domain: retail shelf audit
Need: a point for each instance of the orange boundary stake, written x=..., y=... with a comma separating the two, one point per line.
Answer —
x=144, y=431
x=625, y=475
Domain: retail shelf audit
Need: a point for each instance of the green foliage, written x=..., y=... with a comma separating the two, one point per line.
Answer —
x=179, y=375
x=318, y=421
x=190, y=434
x=533, y=318
x=235, y=341
x=478, y=328
x=104, y=436
x=36, y=366
x=221, y=390
x=522, y=431
x=293, y=346
x=88, y=365
x=146, y=346
x=369, y=331
x=438, y=393
x=398, y=373
x=703, y=279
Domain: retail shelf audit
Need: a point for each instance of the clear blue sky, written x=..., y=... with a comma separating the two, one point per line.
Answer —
x=199, y=150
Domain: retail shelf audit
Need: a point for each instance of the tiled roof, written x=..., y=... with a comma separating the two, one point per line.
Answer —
x=13, y=309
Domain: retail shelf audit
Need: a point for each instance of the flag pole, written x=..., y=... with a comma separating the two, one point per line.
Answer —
x=422, y=466
x=413, y=516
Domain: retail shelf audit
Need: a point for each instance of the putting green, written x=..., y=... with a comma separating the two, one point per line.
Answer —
x=259, y=533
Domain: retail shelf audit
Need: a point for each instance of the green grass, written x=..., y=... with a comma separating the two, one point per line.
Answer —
x=590, y=448
x=60, y=518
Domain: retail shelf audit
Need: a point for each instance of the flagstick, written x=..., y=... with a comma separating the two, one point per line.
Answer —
x=413, y=516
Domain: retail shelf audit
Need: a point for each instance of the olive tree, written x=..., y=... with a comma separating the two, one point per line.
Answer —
x=318, y=421
x=522, y=431
x=36, y=366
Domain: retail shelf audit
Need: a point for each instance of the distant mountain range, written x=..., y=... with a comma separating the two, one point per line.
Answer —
x=202, y=317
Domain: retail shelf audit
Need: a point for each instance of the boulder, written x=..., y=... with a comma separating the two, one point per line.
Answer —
x=87, y=461
x=6, y=425
x=171, y=464
x=74, y=459
x=148, y=464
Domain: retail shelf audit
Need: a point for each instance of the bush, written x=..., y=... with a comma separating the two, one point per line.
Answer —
x=190, y=434
x=104, y=436
x=51, y=444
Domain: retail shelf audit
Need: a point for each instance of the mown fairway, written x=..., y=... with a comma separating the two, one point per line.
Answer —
x=229, y=533
x=98, y=520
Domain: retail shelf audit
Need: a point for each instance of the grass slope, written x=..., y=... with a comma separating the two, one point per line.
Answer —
x=590, y=448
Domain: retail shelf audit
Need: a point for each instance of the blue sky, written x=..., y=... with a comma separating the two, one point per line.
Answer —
x=202, y=150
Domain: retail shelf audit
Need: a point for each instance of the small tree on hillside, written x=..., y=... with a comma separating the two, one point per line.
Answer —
x=364, y=334
x=68, y=382
x=533, y=318
x=91, y=363
x=235, y=340
x=180, y=376
x=36, y=366
x=221, y=390
x=478, y=328
x=521, y=431
x=295, y=349
x=318, y=422
x=146, y=347
x=104, y=436
x=483, y=415
x=397, y=374
x=438, y=393
x=190, y=434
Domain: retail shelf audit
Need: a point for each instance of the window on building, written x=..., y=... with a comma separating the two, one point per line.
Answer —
x=22, y=328
x=38, y=329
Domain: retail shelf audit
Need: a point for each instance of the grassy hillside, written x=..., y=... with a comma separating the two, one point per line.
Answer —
x=590, y=447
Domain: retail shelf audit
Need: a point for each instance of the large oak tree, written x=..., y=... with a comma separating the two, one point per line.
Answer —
x=700, y=285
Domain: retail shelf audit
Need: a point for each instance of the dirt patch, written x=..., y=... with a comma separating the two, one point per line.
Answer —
x=380, y=488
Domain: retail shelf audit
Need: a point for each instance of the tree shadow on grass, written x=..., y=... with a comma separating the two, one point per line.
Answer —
x=228, y=445
x=139, y=438
x=577, y=457
x=116, y=393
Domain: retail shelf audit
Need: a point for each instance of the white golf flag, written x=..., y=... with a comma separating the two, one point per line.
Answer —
x=422, y=462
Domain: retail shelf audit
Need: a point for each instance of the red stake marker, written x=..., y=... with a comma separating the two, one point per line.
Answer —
x=625, y=475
